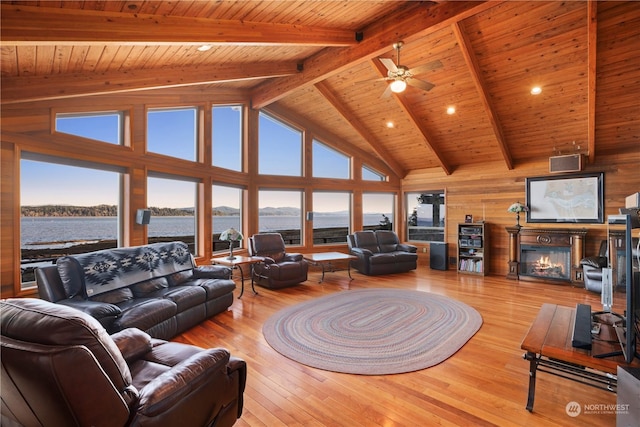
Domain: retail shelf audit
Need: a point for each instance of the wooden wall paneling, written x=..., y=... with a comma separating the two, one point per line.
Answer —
x=252, y=225
x=470, y=189
x=617, y=78
x=9, y=216
x=137, y=192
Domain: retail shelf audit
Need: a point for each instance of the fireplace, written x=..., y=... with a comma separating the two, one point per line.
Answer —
x=545, y=262
x=550, y=254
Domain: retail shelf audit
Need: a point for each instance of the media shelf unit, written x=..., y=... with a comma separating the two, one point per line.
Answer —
x=472, y=248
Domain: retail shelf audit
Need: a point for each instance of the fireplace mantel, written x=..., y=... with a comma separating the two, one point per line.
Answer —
x=571, y=238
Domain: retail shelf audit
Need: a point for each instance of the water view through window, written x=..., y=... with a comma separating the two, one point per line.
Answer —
x=75, y=213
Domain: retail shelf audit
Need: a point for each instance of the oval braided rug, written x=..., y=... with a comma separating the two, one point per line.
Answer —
x=372, y=331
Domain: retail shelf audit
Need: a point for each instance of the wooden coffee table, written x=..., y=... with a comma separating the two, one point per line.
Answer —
x=326, y=260
x=236, y=264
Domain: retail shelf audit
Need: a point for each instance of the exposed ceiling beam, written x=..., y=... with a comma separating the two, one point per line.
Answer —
x=412, y=21
x=38, y=88
x=416, y=121
x=355, y=123
x=592, y=39
x=27, y=25
x=483, y=92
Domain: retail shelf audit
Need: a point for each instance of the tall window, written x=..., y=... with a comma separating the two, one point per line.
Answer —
x=331, y=217
x=281, y=211
x=173, y=205
x=227, y=213
x=369, y=174
x=227, y=136
x=378, y=211
x=105, y=126
x=280, y=148
x=172, y=132
x=426, y=216
x=329, y=163
x=64, y=208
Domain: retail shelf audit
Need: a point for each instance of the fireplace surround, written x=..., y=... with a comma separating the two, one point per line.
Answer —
x=547, y=254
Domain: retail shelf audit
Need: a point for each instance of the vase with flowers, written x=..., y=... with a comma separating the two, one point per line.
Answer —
x=516, y=208
x=231, y=235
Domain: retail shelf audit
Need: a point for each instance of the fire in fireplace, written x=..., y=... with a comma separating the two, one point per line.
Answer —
x=545, y=262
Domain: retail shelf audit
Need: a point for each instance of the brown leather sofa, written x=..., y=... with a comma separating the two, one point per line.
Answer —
x=278, y=269
x=61, y=368
x=380, y=252
x=156, y=288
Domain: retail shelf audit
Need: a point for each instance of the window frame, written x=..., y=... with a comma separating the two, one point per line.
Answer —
x=440, y=231
x=334, y=151
x=197, y=131
x=279, y=120
x=68, y=162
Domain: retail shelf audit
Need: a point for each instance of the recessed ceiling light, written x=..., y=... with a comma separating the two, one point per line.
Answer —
x=390, y=124
x=451, y=110
x=204, y=48
x=536, y=90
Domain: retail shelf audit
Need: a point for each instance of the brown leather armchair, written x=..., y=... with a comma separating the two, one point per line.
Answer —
x=278, y=269
x=61, y=368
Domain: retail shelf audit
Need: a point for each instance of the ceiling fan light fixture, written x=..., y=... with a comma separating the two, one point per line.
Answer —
x=398, y=86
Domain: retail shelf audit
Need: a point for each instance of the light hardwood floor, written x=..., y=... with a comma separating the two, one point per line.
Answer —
x=483, y=384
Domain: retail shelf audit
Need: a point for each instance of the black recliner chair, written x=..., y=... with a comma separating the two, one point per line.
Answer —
x=61, y=368
x=278, y=268
x=592, y=268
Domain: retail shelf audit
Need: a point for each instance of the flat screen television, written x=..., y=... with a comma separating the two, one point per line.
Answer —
x=624, y=262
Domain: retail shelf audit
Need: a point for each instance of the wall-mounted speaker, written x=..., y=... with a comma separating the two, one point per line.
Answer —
x=143, y=216
x=632, y=201
x=570, y=163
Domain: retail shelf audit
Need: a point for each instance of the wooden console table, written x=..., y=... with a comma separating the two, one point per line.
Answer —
x=549, y=349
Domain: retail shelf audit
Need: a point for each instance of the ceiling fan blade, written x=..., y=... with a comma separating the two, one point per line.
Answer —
x=433, y=65
x=391, y=66
x=421, y=84
x=387, y=92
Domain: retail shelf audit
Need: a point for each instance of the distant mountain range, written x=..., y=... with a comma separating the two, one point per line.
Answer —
x=112, y=210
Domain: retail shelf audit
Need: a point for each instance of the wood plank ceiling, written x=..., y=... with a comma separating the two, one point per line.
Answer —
x=319, y=60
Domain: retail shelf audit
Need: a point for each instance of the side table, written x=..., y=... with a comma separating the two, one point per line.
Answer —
x=236, y=263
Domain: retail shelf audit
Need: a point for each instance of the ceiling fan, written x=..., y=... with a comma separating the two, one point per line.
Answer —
x=401, y=76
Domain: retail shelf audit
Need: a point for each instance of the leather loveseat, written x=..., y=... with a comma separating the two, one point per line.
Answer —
x=156, y=288
x=380, y=252
x=61, y=368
